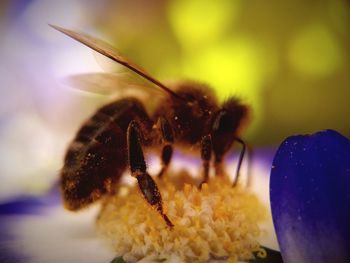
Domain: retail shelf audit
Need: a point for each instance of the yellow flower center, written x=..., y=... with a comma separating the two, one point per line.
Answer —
x=217, y=222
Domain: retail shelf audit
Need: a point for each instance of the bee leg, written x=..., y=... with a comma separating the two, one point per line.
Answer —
x=138, y=169
x=240, y=160
x=250, y=155
x=219, y=169
x=206, y=150
x=168, y=140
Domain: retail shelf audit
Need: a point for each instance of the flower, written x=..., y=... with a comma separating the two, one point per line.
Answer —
x=310, y=198
x=310, y=203
x=48, y=233
x=218, y=221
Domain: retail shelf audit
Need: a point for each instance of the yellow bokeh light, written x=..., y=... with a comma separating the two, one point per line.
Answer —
x=200, y=22
x=315, y=51
x=231, y=67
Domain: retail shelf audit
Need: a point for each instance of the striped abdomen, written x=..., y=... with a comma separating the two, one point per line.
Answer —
x=96, y=158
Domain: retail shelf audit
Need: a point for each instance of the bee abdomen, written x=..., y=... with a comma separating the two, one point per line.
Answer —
x=96, y=158
x=90, y=169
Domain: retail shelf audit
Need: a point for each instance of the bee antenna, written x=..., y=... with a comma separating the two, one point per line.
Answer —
x=110, y=52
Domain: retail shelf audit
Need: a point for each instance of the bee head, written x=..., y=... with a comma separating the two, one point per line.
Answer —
x=226, y=123
x=229, y=117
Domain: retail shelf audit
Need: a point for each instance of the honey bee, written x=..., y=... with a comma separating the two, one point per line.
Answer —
x=112, y=140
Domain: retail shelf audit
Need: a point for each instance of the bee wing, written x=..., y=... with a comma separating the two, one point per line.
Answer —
x=119, y=85
x=110, y=52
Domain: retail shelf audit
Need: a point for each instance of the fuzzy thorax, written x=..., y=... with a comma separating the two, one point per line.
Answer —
x=216, y=222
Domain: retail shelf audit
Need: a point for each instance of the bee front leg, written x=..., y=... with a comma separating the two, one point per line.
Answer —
x=138, y=169
x=240, y=160
x=206, y=150
x=250, y=155
x=168, y=140
x=219, y=169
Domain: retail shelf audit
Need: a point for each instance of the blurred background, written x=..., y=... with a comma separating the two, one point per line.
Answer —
x=289, y=60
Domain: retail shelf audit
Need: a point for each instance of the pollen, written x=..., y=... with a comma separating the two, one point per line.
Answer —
x=216, y=222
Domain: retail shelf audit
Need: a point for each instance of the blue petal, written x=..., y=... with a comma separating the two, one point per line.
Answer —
x=13, y=210
x=8, y=252
x=310, y=198
x=27, y=204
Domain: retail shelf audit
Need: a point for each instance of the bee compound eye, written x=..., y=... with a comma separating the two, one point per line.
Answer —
x=219, y=121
